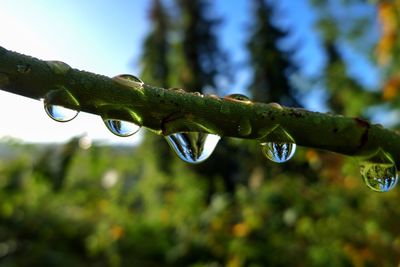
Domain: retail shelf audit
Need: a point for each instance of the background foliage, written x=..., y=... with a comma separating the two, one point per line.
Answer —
x=82, y=204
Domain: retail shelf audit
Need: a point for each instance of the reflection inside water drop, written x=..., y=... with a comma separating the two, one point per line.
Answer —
x=121, y=128
x=60, y=113
x=193, y=147
x=380, y=177
x=278, y=152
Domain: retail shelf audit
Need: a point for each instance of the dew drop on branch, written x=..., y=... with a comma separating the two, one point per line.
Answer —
x=121, y=128
x=60, y=113
x=379, y=177
x=193, y=147
x=58, y=67
x=128, y=78
x=278, y=152
x=238, y=97
x=176, y=89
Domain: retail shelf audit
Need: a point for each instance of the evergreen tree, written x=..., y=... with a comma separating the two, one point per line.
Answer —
x=271, y=65
x=347, y=96
x=156, y=70
x=202, y=58
x=154, y=60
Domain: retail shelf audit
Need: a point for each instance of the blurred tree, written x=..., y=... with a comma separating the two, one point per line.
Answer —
x=387, y=51
x=156, y=66
x=156, y=47
x=347, y=95
x=344, y=25
x=54, y=162
x=201, y=58
x=270, y=64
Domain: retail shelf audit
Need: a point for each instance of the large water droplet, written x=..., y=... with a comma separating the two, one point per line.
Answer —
x=238, y=97
x=380, y=177
x=193, y=147
x=278, y=152
x=121, y=128
x=58, y=67
x=60, y=113
x=213, y=96
x=126, y=78
x=275, y=105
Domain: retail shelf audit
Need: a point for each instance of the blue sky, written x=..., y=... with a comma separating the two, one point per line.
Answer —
x=106, y=36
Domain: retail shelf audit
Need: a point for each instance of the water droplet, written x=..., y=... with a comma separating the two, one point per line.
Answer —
x=127, y=78
x=176, y=89
x=23, y=68
x=238, y=97
x=380, y=177
x=58, y=67
x=197, y=94
x=213, y=96
x=193, y=147
x=278, y=152
x=275, y=105
x=60, y=113
x=121, y=128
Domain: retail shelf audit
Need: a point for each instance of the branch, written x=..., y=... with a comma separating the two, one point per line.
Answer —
x=168, y=111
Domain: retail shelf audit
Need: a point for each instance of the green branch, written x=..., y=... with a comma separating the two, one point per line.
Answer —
x=168, y=111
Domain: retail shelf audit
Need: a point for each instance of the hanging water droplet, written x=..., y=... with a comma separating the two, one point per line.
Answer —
x=127, y=78
x=193, y=147
x=278, y=152
x=197, y=94
x=121, y=128
x=60, y=113
x=213, y=96
x=380, y=177
x=238, y=97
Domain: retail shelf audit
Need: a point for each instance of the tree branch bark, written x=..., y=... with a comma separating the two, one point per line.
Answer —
x=168, y=111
